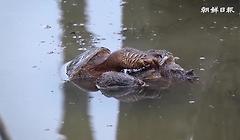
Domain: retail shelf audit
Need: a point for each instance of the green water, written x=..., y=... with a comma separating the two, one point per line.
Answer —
x=38, y=38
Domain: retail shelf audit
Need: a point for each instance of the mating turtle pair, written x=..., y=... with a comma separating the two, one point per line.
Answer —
x=106, y=69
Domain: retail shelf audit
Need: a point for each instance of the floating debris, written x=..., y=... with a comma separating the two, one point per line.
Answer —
x=202, y=27
x=34, y=66
x=202, y=58
x=75, y=24
x=221, y=40
x=47, y=27
x=211, y=106
x=47, y=129
x=74, y=36
x=74, y=4
x=191, y=102
x=82, y=49
x=202, y=69
x=51, y=52
x=81, y=24
x=125, y=29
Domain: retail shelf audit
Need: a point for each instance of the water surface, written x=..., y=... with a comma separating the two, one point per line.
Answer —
x=38, y=38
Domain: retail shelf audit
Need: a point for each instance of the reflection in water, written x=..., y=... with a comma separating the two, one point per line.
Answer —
x=104, y=21
x=3, y=131
x=171, y=117
x=88, y=30
x=195, y=111
x=76, y=120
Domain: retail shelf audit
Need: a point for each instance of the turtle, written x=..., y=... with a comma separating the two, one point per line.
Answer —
x=105, y=70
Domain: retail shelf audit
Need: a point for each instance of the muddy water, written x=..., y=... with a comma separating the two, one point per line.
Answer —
x=38, y=38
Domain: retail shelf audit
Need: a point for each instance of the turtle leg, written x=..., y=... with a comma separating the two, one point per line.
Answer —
x=149, y=61
x=129, y=58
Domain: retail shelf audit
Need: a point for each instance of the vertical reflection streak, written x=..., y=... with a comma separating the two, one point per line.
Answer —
x=104, y=22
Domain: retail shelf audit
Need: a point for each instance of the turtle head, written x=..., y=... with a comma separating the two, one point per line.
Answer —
x=176, y=72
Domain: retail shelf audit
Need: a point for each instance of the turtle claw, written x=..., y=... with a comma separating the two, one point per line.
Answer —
x=190, y=72
x=166, y=59
x=191, y=76
x=163, y=60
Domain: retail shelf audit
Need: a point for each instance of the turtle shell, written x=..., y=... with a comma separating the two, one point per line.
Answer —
x=81, y=66
x=114, y=80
